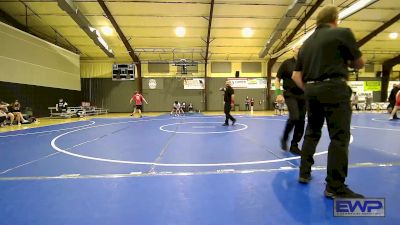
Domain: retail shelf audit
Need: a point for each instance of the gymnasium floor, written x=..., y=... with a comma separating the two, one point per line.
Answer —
x=185, y=170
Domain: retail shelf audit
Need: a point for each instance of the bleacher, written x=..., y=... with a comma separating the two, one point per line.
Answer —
x=84, y=110
x=378, y=107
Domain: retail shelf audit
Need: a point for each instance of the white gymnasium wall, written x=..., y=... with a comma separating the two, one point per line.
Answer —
x=25, y=59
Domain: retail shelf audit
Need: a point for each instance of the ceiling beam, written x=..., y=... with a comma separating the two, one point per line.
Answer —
x=383, y=27
x=291, y=12
x=117, y=28
x=392, y=62
x=124, y=40
x=303, y=21
x=210, y=17
x=11, y=21
x=209, y=29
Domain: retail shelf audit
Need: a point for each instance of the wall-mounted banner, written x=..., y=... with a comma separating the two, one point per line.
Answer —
x=356, y=86
x=257, y=83
x=372, y=86
x=193, y=83
x=248, y=83
x=238, y=82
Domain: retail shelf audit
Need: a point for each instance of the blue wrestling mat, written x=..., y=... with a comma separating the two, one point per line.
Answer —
x=186, y=170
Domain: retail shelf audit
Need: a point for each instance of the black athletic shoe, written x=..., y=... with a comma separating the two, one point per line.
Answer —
x=295, y=150
x=225, y=124
x=233, y=122
x=304, y=179
x=342, y=192
x=284, y=144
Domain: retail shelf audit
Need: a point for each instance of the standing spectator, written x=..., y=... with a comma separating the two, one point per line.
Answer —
x=368, y=101
x=295, y=101
x=229, y=102
x=354, y=100
x=252, y=105
x=247, y=103
x=139, y=99
x=321, y=70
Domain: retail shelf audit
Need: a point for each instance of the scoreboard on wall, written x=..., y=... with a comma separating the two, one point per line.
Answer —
x=123, y=72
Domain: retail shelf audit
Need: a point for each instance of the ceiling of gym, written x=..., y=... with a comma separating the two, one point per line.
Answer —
x=149, y=25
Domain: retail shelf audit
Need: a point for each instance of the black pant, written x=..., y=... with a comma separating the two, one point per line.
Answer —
x=297, y=111
x=328, y=100
x=392, y=104
x=227, y=111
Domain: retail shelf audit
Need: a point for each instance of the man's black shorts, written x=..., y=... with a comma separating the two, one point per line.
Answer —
x=138, y=107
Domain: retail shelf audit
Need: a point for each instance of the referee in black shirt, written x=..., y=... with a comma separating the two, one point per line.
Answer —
x=229, y=102
x=295, y=101
x=321, y=70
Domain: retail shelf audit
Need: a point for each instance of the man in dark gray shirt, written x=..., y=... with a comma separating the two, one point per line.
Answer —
x=321, y=70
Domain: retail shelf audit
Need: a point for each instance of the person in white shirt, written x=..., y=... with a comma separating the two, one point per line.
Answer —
x=176, y=108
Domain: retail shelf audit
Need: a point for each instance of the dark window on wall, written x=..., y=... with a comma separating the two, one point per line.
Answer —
x=221, y=67
x=158, y=68
x=369, y=68
x=251, y=67
x=193, y=69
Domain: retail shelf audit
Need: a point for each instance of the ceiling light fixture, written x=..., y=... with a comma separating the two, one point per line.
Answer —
x=180, y=31
x=393, y=35
x=247, y=32
x=355, y=8
x=106, y=31
x=100, y=39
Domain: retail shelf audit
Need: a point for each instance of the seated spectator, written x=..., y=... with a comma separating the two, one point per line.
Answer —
x=279, y=104
x=4, y=109
x=61, y=106
x=16, y=110
x=190, y=107
x=3, y=117
x=183, y=107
